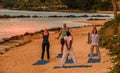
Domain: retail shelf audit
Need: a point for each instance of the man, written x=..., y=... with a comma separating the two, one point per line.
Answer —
x=62, y=34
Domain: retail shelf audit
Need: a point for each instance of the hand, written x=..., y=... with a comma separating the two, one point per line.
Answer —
x=69, y=48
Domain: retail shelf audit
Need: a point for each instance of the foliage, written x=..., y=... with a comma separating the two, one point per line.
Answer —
x=110, y=39
x=105, y=5
x=59, y=4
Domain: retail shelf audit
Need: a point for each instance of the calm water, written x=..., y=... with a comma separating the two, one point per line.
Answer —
x=16, y=26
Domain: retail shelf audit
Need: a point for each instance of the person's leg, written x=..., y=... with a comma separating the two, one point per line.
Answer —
x=71, y=52
x=43, y=51
x=64, y=57
x=91, y=51
x=62, y=45
x=48, y=54
x=98, y=51
x=62, y=48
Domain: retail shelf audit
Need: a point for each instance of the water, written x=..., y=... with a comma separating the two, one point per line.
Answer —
x=11, y=27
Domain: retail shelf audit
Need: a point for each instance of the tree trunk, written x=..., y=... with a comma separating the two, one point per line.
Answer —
x=114, y=8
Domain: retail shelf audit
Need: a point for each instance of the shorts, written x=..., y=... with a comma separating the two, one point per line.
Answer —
x=62, y=41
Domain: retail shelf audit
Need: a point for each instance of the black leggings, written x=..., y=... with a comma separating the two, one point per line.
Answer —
x=45, y=45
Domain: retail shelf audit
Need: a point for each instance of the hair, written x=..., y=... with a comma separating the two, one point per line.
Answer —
x=68, y=33
x=95, y=31
x=64, y=25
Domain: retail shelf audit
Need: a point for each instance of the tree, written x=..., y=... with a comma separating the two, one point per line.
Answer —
x=114, y=7
x=86, y=4
x=105, y=5
x=71, y=4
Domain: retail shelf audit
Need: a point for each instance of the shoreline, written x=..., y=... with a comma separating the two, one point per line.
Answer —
x=18, y=40
x=76, y=11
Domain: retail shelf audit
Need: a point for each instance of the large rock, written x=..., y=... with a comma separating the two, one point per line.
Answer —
x=4, y=48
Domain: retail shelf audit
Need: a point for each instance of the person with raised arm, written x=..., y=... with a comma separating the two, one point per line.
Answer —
x=45, y=44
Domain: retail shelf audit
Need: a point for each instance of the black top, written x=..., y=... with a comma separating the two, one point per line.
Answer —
x=45, y=38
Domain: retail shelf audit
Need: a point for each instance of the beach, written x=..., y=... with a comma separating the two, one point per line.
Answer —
x=20, y=59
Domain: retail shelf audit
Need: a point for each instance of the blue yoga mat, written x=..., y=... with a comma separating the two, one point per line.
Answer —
x=41, y=62
x=69, y=61
x=95, y=54
x=94, y=60
x=59, y=56
x=80, y=66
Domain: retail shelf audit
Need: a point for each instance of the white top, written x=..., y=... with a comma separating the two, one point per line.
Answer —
x=68, y=39
x=94, y=39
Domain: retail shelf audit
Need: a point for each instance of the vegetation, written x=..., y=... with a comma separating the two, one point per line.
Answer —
x=58, y=4
x=110, y=39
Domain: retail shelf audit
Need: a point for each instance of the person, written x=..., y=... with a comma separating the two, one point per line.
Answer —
x=68, y=50
x=94, y=28
x=94, y=43
x=45, y=44
x=63, y=33
x=90, y=33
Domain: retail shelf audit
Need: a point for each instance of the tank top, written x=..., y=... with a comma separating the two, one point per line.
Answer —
x=63, y=33
x=45, y=38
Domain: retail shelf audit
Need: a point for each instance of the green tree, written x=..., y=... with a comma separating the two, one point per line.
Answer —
x=71, y=4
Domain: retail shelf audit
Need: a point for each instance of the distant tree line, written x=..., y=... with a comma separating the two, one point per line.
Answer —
x=59, y=4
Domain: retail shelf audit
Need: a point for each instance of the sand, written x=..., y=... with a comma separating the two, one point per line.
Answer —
x=20, y=59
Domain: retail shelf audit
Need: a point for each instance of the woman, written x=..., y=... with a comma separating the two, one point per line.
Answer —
x=90, y=33
x=68, y=50
x=62, y=34
x=45, y=43
x=94, y=43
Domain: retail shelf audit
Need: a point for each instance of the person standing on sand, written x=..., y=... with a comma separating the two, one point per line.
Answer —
x=45, y=44
x=90, y=33
x=68, y=50
x=94, y=43
x=62, y=34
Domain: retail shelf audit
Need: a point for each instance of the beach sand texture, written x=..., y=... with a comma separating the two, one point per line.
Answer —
x=20, y=59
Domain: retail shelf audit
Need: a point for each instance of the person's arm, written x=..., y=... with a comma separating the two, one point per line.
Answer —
x=71, y=41
x=42, y=32
x=59, y=35
x=66, y=44
x=98, y=38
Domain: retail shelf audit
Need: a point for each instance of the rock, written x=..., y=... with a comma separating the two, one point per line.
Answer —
x=35, y=16
x=71, y=16
x=84, y=16
x=2, y=50
x=100, y=16
x=15, y=38
x=95, y=19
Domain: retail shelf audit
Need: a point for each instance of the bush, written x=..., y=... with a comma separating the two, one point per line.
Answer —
x=110, y=39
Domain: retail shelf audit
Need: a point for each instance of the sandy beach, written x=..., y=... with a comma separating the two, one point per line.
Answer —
x=21, y=59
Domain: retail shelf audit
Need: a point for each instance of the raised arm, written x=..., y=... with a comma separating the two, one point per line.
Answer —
x=59, y=35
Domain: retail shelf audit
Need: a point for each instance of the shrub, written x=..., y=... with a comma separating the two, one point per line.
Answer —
x=110, y=39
